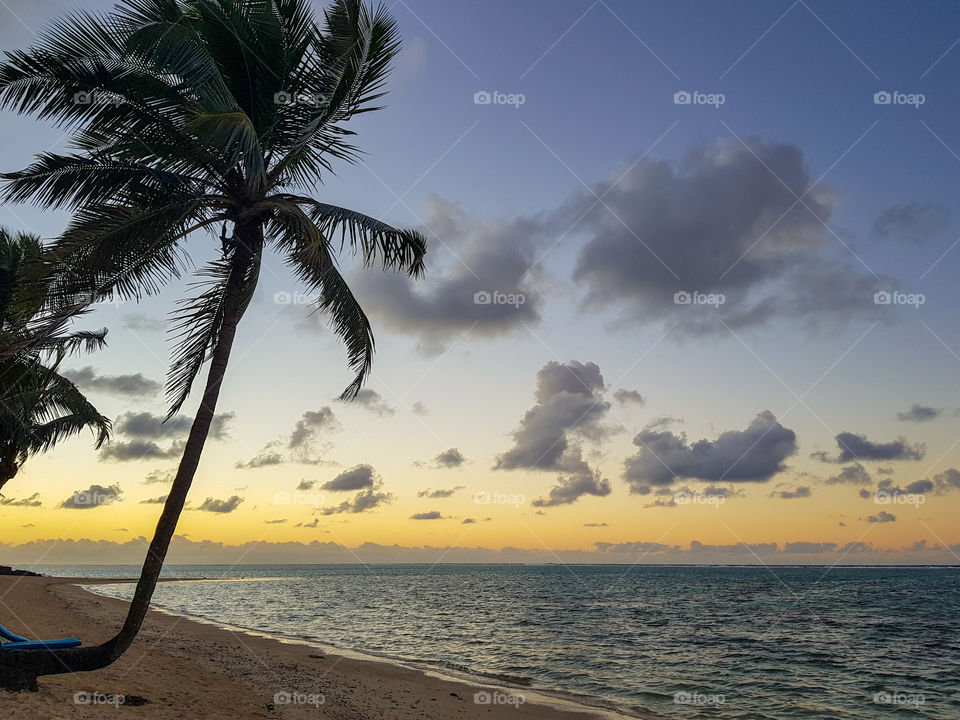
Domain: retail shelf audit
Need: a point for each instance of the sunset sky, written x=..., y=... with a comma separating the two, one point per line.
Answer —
x=811, y=224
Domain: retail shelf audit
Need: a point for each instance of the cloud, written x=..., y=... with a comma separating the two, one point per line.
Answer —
x=496, y=256
x=468, y=521
x=303, y=445
x=801, y=491
x=363, y=501
x=437, y=494
x=449, y=459
x=857, y=447
x=356, y=478
x=275, y=522
x=92, y=497
x=593, y=524
x=214, y=505
x=948, y=479
x=142, y=322
x=723, y=221
x=881, y=517
x=419, y=408
x=312, y=524
x=373, y=401
x=134, y=386
x=752, y=455
x=913, y=222
x=809, y=548
x=625, y=397
x=159, y=477
x=144, y=432
x=160, y=500
x=919, y=413
x=569, y=407
x=306, y=484
x=32, y=501
x=570, y=489
x=854, y=474
x=431, y=515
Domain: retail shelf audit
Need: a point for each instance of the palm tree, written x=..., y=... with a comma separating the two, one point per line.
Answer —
x=38, y=406
x=188, y=114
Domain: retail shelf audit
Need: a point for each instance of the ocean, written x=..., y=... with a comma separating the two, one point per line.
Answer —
x=654, y=641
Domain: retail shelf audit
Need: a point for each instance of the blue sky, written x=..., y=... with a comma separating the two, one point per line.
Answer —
x=598, y=81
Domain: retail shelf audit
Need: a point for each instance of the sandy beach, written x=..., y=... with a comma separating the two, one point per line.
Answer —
x=183, y=668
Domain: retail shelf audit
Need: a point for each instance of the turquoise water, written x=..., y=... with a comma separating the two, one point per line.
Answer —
x=663, y=642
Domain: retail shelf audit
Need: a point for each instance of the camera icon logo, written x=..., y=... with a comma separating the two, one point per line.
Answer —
x=283, y=98
x=682, y=97
x=482, y=698
x=482, y=297
x=881, y=97
x=482, y=97
x=84, y=97
x=682, y=298
x=882, y=297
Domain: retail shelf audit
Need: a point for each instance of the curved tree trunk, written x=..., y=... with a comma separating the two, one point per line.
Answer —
x=19, y=670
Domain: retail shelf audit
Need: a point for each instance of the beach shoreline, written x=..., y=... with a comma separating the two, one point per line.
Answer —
x=183, y=664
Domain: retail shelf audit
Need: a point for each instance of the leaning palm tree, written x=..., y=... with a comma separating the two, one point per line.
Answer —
x=188, y=114
x=38, y=406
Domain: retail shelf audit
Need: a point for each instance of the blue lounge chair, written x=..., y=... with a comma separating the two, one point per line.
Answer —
x=16, y=642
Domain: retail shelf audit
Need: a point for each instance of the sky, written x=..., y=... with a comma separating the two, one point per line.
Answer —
x=689, y=297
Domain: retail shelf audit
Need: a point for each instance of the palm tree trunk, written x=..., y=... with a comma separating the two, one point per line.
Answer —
x=19, y=670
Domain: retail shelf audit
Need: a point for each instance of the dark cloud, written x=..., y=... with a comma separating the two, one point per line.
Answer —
x=881, y=517
x=94, y=496
x=625, y=397
x=569, y=407
x=633, y=547
x=142, y=434
x=752, y=455
x=449, y=459
x=32, y=501
x=275, y=522
x=356, y=478
x=437, y=494
x=373, y=401
x=801, y=491
x=306, y=484
x=265, y=458
x=134, y=386
x=948, y=479
x=312, y=524
x=809, y=548
x=431, y=515
x=214, y=505
x=477, y=257
x=857, y=447
x=570, y=489
x=913, y=222
x=468, y=521
x=723, y=221
x=602, y=524
x=160, y=500
x=363, y=501
x=919, y=413
x=854, y=474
